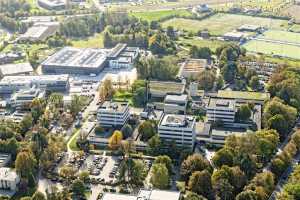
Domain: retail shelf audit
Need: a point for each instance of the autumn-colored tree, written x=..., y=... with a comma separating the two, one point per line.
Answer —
x=115, y=140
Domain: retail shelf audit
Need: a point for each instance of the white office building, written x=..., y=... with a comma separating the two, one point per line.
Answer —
x=11, y=84
x=25, y=97
x=175, y=104
x=221, y=110
x=145, y=195
x=178, y=128
x=9, y=179
x=113, y=114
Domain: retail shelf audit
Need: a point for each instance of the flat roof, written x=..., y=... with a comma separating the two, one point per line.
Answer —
x=258, y=96
x=158, y=195
x=173, y=120
x=114, y=106
x=76, y=57
x=227, y=132
x=20, y=68
x=176, y=98
x=115, y=52
x=249, y=27
x=194, y=65
x=111, y=196
x=234, y=34
x=35, y=32
x=33, y=78
x=221, y=103
x=167, y=87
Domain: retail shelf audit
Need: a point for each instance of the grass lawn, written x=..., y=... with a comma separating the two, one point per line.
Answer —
x=295, y=28
x=72, y=141
x=123, y=96
x=156, y=15
x=212, y=44
x=95, y=41
x=268, y=48
x=285, y=36
x=243, y=95
x=221, y=23
x=283, y=61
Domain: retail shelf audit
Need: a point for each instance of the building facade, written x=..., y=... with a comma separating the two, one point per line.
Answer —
x=177, y=128
x=9, y=179
x=221, y=110
x=113, y=114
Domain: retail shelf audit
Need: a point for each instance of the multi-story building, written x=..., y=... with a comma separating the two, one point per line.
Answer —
x=145, y=195
x=52, y=4
x=11, y=84
x=178, y=128
x=9, y=179
x=221, y=110
x=175, y=104
x=25, y=97
x=4, y=159
x=113, y=114
x=122, y=56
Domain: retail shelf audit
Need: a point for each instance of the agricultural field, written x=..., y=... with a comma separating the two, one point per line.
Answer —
x=95, y=41
x=283, y=36
x=212, y=44
x=273, y=49
x=221, y=23
x=156, y=15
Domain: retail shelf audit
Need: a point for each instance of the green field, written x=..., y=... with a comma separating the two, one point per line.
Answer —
x=221, y=23
x=92, y=42
x=156, y=15
x=284, y=36
x=274, y=49
x=212, y=44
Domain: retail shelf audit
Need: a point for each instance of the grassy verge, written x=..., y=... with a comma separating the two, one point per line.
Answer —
x=71, y=145
x=212, y=44
x=95, y=41
x=156, y=15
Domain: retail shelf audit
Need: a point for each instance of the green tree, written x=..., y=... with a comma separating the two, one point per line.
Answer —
x=26, y=123
x=194, y=196
x=254, y=83
x=127, y=131
x=166, y=160
x=154, y=144
x=78, y=187
x=147, y=130
x=138, y=172
x=159, y=176
x=229, y=71
x=200, y=183
x=25, y=164
x=244, y=112
x=224, y=190
x=278, y=123
x=247, y=195
x=206, y=79
x=222, y=157
x=193, y=163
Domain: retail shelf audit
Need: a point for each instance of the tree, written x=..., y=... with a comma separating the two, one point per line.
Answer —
x=147, y=130
x=67, y=172
x=254, y=83
x=159, y=176
x=194, y=196
x=171, y=32
x=222, y=157
x=127, y=131
x=193, y=163
x=38, y=196
x=244, y=112
x=166, y=160
x=224, y=190
x=229, y=71
x=139, y=97
x=153, y=146
x=247, y=195
x=200, y=183
x=278, y=123
x=78, y=187
x=206, y=79
x=84, y=176
x=26, y=123
x=76, y=104
x=107, y=90
x=138, y=172
x=37, y=108
x=115, y=140
x=202, y=52
x=25, y=164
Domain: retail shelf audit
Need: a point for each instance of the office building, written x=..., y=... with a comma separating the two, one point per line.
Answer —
x=40, y=31
x=113, y=114
x=25, y=97
x=72, y=60
x=178, y=128
x=52, y=4
x=145, y=195
x=122, y=56
x=53, y=83
x=233, y=36
x=15, y=69
x=9, y=179
x=175, y=104
x=4, y=159
x=160, y=89
x=221, y=110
